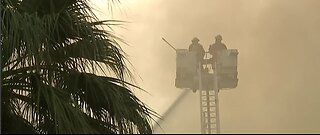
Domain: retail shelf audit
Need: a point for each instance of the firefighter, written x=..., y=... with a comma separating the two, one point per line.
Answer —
x=198, y=48
x=214, y=50
x=216, y=47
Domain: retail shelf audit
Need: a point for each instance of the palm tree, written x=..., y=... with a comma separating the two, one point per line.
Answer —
x=62, y=72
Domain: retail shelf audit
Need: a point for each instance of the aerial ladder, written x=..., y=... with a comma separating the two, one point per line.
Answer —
x=208, y=78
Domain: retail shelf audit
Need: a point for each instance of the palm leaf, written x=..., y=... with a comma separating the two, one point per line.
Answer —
x=52, y=53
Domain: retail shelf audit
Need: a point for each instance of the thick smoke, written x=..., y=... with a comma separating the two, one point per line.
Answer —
x=279, y=47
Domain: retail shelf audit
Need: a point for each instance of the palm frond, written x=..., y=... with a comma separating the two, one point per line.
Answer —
x=53, y=51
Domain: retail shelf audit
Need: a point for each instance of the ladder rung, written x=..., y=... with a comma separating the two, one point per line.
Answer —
x=212, y=122
x=206, y=117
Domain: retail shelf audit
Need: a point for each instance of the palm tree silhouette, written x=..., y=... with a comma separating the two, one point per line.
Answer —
x=62, y=72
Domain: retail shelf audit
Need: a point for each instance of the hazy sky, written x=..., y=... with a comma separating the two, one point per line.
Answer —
x=279, y=65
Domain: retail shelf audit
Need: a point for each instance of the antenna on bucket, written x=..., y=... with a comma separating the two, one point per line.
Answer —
x=169, y=44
